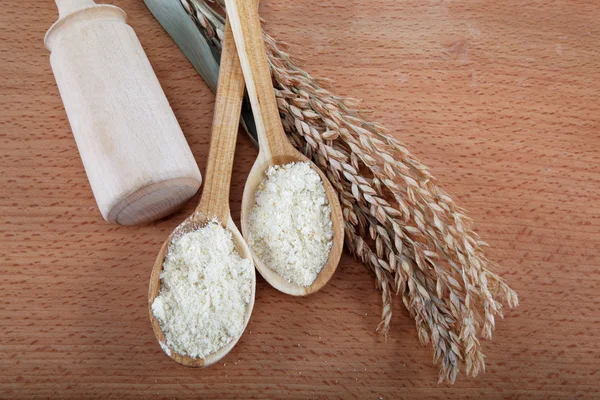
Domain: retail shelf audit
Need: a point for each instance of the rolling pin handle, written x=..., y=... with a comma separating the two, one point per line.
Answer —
x=66, y=7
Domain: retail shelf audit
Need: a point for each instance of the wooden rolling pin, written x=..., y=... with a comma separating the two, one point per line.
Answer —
x=137, y=160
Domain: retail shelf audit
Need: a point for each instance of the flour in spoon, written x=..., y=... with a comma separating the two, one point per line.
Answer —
x=206, y=288
x=290, y=228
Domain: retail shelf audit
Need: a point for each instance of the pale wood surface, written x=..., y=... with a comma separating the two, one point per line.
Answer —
x=136, y=157
x=66, y=7
x=500, y=99
x=275, y=149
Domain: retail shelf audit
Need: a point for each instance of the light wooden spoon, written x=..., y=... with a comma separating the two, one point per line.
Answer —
x=214, y=203
x=275, y=149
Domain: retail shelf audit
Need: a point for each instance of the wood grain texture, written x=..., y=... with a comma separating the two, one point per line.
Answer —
x=245, y=23
x=275, y=148
x=500, y=99
x=226, y=119
x=135, y=155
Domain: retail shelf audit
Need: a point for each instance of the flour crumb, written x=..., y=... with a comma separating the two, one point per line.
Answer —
x=290, y=228
x=165, y=348
x=205, y=290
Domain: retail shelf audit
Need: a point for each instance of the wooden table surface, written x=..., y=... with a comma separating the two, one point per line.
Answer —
x=500, y=99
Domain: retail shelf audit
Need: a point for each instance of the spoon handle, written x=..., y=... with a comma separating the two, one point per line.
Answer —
x=226, y=119
x=245, y=23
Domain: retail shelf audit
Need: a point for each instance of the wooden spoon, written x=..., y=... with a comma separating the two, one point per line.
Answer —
x=214, y=203
x=275, y=149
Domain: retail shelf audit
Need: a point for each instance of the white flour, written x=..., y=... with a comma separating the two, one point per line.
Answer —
x=290, y=227
x=205, y=290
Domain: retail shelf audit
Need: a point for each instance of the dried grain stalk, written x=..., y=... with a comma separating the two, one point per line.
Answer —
x=398, y=221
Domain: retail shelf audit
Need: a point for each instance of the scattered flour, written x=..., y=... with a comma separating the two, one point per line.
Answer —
x=205, y=291
x=290, y=228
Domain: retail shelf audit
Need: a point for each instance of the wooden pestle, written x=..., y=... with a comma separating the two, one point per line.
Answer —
x=137, y=160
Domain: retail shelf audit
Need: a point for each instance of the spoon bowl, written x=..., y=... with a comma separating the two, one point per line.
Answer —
x=192, y=223
x=256, y=176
